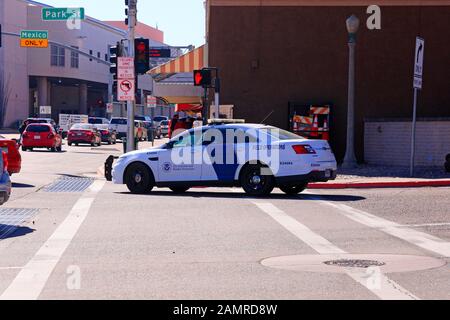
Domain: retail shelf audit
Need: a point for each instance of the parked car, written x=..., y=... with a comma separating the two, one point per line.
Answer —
x=84, y=133
x=41, y=135
x=157, y=120
x=5, y=180
x=119, y=125
x=11, y=148
x=107, y=135
x=164, y=128
x=97, y=120
x=149, y=124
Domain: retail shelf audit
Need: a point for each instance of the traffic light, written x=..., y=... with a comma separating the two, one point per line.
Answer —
x=114, y=53
x=202, y=78
x=131, y=5
x=142, y=58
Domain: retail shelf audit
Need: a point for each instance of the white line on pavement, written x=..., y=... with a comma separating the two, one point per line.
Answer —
x=31, y=280
x=420, y=239
x=443, y=224
x=387, y=290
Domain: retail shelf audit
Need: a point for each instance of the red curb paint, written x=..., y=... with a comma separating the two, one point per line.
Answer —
x=387, y=184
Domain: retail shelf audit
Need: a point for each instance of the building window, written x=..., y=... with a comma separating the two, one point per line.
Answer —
x=106, y=57
x=99, y=55
x=91, y=53
x=58, y=56
x=74, y=59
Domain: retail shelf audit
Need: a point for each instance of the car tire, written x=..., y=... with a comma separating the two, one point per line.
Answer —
x=254, y=182
x=179, y=190
x=139, y=179
x=447, y=158
x=69, y=144
x=447, y=166
x=294, y=189
x=24, y=149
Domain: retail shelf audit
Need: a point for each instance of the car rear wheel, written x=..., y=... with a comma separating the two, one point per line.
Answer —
x=70, y=144
x=255, y=181
x=179, y=189
x=24, y=149
x=295, y=189
x=139, y=179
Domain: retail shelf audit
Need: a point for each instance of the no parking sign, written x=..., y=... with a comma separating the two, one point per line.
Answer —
x=125, y=90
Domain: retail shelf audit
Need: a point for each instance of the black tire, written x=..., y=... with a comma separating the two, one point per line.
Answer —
x=69, y=144
x=447, y=166
x=139, y=179
x=76, y=144
x=447, y=158
x=254, y=182
x=24, y=149
x=179, y=189
x=293, y=190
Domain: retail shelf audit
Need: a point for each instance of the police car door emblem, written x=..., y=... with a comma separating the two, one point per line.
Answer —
x=167, y=166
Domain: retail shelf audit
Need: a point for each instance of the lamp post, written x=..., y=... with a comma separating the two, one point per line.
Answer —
x=349, y=158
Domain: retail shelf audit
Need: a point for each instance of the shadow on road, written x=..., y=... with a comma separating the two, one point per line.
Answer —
x=7, y=231
x=21, y=185
x=239, y=195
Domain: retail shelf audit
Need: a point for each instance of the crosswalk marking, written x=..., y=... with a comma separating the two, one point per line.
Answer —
x=388, y=289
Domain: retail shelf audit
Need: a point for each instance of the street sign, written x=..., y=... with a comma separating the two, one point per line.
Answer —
x=126, y=90
x=34, y=38
x=418, y=62
x=45, y=110
x=62, y=14
x=125, y=68
x=151, y=102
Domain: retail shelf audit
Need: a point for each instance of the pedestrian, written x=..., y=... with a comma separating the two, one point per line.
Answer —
x=173, y=124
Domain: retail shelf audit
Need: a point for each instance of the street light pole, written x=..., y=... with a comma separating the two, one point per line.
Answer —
x=350, y=158
x=132, y=21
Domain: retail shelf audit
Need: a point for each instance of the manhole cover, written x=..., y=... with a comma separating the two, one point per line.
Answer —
x=11, y=219
x=352, y=263
x=69, y=184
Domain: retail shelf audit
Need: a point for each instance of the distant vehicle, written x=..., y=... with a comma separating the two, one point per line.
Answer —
x=157, y=120
x=5, y=180
x=41, y=135
x=165, y=128
x=66, y=121
x=96, y=120
x=107, y=135
x=40, y=120
x=119, y=125
x=150, y=125
x=84, y=133
x=11, y=148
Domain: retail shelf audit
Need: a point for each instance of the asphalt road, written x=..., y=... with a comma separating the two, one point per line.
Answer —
x=104, y=243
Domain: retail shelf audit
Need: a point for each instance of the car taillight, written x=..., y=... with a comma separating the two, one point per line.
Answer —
x=303, y=149
x=89, y=133
x=5, y=161
x=105, y=132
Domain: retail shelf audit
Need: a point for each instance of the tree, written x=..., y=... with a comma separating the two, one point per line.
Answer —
x=5, y=94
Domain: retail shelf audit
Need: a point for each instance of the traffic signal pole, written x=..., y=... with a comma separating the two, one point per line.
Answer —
x=132, y=21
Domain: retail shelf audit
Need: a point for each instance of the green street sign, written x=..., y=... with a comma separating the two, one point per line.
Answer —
x=62, y=14
x=34, y=34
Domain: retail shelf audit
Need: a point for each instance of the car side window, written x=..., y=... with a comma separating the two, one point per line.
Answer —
x=183, y=141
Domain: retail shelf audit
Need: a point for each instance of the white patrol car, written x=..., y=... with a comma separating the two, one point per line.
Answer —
x=256, y=157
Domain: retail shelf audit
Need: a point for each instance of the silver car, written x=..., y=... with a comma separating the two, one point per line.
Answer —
x=5, y=181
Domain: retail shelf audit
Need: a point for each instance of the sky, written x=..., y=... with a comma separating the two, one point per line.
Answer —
x=182, y=21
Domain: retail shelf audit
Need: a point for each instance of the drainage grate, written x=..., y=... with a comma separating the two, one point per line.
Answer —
x=354, y=263
x=69, y=184
x=11, y=219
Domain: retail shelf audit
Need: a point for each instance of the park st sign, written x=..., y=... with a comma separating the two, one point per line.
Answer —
x=62, y=14
x=34, y=38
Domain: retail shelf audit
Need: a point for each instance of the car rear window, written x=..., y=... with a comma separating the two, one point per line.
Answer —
x=82, y=127
x=95, y=121
x=37, y=128
x=158, y=119
x=119, y=121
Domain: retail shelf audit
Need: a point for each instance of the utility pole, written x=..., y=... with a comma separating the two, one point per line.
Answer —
x=132, y=21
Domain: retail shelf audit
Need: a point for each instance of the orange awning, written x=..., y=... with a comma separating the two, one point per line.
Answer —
x=193, y=60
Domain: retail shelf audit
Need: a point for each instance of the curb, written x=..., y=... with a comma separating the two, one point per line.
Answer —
x=385, y=184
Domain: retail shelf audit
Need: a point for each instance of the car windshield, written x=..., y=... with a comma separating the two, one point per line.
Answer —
x=38, y=128
x=119, y=121
x=95, y=121
x=158, y=119
x=81, y=126
x=280, y=134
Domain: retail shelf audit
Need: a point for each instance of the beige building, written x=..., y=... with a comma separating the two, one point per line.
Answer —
x=56, y=76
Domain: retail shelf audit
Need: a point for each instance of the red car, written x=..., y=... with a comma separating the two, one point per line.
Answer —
x=41, y=135
x=84, y=133
x=11, y=148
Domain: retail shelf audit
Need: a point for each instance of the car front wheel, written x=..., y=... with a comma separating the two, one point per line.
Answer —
x=255, y=181
x=295, y=189
x=138, y=179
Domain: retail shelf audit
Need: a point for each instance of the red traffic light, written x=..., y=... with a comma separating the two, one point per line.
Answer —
x=202, y=78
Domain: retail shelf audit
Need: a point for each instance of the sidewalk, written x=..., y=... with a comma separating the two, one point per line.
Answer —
x=386, y=177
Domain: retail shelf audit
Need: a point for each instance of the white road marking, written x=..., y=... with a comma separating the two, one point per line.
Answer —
x=387, y=289
x=31, y=280
x=417, y=238
x=443, y=224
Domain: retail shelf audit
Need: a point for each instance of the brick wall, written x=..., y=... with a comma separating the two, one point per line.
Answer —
x=389, y=143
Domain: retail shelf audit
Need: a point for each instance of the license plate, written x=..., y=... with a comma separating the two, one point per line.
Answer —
x=79, y=134
x=5, y=149
x=37, y=137
x=327, y=173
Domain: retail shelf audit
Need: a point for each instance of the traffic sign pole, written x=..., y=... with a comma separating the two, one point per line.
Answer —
x=132, y=20
x=413, y=135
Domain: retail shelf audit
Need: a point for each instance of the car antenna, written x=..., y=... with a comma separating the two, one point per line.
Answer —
x=268, y=116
